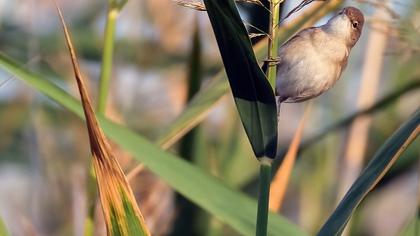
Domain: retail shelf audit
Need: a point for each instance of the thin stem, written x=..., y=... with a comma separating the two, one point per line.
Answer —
x=107, y=56
x=263, y=196
x=273, y=41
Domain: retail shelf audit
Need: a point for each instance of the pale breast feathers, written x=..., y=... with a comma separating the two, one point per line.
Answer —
x=302, y=71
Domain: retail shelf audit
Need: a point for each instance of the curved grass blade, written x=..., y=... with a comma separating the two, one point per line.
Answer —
x=251, y=90
x=122, y=215
x=384, y=158
x=195, y=112
x=229, y=206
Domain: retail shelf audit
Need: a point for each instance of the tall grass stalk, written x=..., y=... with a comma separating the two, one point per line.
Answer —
x=266, y=163
x=273, y=40
x=107, y=56
x=264, y=196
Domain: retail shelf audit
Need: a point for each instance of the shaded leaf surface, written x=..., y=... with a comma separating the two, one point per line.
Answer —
x=252, y=92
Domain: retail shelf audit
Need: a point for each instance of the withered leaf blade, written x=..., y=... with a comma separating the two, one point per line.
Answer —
x=199, y=6
x=122, y=215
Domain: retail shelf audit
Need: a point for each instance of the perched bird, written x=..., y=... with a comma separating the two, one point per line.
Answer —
x=313, y=60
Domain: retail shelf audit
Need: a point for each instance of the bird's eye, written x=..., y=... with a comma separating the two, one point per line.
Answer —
x=355, y=24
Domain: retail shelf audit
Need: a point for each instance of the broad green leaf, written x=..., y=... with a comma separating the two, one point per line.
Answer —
x=382, y=161
x=3, y=229
x=231, y=207
x=251, y=90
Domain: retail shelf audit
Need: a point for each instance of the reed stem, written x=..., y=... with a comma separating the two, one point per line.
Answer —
x=263, y=196
x=107, y=56
x=266, y=163
x=273, y=41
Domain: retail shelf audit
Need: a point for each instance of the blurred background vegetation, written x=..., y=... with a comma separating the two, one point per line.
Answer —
x=164, y=54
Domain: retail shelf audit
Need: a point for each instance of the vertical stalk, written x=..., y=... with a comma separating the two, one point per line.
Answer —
x=266, y=163
x=107, y=55
x=273, y=41
x=263, y=196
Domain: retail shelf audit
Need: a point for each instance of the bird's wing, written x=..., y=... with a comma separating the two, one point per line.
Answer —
x=290, y=42
x=303, y=33
x=300, y=98
x=290, y=56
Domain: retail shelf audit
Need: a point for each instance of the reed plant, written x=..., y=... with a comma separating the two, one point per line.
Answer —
x=218, y=188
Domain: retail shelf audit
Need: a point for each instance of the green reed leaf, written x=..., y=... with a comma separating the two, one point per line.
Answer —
x=382, y=161
x=251, y=90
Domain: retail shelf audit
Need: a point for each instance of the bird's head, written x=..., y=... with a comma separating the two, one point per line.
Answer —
x=346, y=25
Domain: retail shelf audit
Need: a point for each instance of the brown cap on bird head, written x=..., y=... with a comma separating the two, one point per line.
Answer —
x=357, y=20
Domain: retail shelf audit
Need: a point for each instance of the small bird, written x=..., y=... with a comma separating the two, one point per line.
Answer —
x=313, y=60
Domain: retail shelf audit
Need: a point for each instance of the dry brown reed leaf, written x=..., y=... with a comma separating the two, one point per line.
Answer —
x=137, y=169
x=114, y=191
x=280, y=181
x=256, y=2
x=262, y=33
x=199, y=6
x=195, y=5
x=255, y=35
x=299, y=7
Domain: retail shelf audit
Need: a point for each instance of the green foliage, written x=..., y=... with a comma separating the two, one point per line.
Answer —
x=128, y=223
x=135, y=228
x=384, y=158
x=231, y=207
x=256, y=110
x=195, y=112
x=208, y=97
